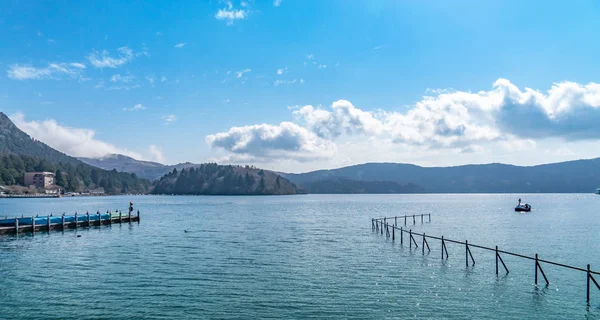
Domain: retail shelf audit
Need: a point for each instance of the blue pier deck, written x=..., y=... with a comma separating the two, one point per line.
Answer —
x=62, y=222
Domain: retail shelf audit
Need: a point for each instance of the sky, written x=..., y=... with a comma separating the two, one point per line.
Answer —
x=300, y=85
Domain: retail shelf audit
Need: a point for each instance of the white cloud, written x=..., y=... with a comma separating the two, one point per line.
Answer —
x=137, y=107
x=158, y=33
x=119, y=78
x=77, y=65
x=230, y=15
x=262, y=142
x=52, y=71
x=168, y=119
x=180, y=45
x=310, y=56
x=150, y=79
x=280, y=82
x=277, y=3
x=77, y=142
x=104, y=60
x=156, y=154
x=378, y=47
x=282, y=71
x=322, y=66
x=239, y=74
x=163, y=79
x=455, y=122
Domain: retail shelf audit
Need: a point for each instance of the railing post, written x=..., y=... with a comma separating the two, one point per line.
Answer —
x=442, y=247
x=63, y=221
x=429, y=217
x=401, y=236
x=467, y=252
x=410, y=238
x=48, y=223
x=588, y=285
x=381, y=227
x=32, y=224
x=394, y=233
x=414, y=221
x=16, y=225
x=76, y=220
x=421, y=218
x=496, y=260
x=395, y=221
x=536, y=269
x=405, y=220
x=88, y=218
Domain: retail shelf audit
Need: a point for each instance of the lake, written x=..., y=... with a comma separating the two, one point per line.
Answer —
x=299, y=257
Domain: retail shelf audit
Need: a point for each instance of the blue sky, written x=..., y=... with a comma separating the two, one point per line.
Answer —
x=230, y=81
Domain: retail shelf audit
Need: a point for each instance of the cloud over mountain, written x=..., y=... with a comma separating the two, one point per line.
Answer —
x=458, y=120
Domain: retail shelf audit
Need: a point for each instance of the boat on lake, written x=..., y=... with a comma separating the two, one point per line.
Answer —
x=598, y=191
x=522, y=207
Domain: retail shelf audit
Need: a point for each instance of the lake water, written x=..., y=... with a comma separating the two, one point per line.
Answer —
x=299, y=257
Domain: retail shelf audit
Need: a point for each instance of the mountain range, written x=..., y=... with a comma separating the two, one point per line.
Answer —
x=143, y=169
x=564, y=177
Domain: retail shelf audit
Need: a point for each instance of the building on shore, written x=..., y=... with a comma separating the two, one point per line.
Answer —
x=39, y=179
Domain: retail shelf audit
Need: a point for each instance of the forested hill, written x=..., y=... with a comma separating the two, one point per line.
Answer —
x=564, y=177
x=213, y=179
x=19, y=153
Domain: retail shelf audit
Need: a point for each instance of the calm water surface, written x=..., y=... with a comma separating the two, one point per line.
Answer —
x=300, y=257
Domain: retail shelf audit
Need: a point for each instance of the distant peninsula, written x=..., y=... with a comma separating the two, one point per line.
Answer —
x=214, y=179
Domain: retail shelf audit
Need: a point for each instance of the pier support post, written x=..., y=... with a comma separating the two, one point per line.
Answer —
x=394, y=233
x=76, y=220
x=410, y=238
x=48, y=223
x=405, y=220
x=401, y=236
x=444, y=249
x=421, y=218
x=120, y=217
x=381, y=227
x=498, y=257
x=414, y=221
x=16, y=225
x=32, y=224
x=88, y=218
x=99, y=218
x=395, y=221
x=429, y=217
x=63, y=221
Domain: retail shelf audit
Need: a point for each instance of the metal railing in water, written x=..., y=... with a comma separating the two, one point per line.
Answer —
x=381, y=224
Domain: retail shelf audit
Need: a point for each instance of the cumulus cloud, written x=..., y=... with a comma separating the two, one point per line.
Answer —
x=77, y=142
x=277, y=3
x=52, y=71
x=180, y=45
x=104, y=60
x=458, y=121
x=264, y=141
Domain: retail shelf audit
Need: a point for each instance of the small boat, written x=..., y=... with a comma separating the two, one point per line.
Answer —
x=523, y=207
x=598, y=191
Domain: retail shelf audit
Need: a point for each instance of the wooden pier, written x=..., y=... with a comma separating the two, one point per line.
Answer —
x=80, y=221
x=381, y=225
